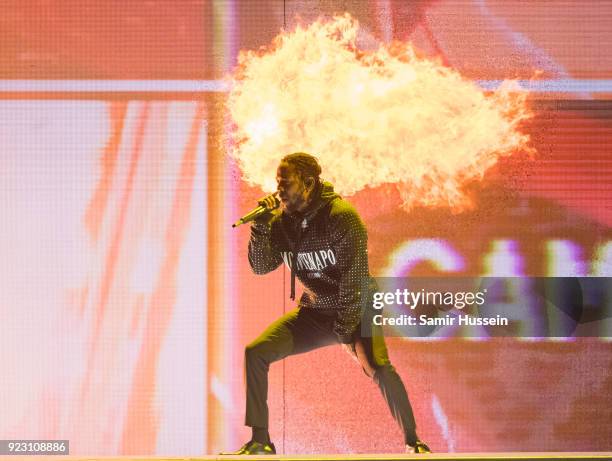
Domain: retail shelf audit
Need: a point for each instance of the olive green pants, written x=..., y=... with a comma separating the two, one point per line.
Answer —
x=302, y=330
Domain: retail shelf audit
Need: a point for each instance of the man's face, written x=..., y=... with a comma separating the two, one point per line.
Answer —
x=292, y=191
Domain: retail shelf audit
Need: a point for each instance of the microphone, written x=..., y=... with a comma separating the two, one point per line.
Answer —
x=257, y=212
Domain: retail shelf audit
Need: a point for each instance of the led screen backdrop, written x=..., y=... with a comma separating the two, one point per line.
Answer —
x=126, y=298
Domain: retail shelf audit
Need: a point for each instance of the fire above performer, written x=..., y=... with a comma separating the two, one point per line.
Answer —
x=385, y=116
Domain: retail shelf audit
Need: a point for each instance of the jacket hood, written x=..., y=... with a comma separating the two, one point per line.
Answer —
x=326, y=192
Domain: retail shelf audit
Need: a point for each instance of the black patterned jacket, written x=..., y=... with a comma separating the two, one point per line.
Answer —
x=326, y=248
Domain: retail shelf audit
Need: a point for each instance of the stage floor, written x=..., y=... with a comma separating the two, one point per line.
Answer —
x=368, y=457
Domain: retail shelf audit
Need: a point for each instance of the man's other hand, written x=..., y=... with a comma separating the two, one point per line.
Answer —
x=350, y=348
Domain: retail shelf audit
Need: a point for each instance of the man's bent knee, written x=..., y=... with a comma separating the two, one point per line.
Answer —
x=253, y=350
x=261, y=350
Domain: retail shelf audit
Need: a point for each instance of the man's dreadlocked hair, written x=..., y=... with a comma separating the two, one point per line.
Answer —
x=305, y=165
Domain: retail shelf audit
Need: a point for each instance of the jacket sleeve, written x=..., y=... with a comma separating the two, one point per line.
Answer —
x=263, y=255
x=350, y=246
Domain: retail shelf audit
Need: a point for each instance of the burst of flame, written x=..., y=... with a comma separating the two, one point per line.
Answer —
x=370, y=118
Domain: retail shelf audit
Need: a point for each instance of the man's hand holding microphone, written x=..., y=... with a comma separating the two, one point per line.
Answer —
x=262, y=214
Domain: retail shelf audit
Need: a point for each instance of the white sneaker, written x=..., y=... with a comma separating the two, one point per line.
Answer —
x=419, y=447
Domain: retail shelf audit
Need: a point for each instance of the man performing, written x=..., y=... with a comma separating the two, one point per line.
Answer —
x=322, y=239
